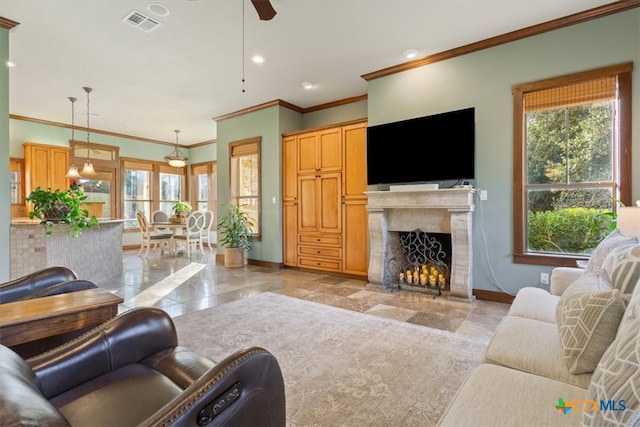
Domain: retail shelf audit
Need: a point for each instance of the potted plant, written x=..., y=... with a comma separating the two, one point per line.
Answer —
x=61, y=206
x=235, y=228
x=181, y=209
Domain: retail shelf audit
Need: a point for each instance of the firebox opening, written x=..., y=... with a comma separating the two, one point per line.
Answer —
x=421, y=261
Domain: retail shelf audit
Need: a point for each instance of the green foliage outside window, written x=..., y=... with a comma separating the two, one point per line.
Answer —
x=568, y=230
x=570, y=185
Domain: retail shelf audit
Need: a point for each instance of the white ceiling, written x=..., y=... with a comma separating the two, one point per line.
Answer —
x=190, y=68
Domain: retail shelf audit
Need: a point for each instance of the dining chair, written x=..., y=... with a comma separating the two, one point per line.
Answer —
x=206, y=231
x=193, y=234
x=160, y=216
x=152, y=239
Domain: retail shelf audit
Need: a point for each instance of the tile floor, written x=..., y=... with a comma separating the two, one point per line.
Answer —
x=181, y=285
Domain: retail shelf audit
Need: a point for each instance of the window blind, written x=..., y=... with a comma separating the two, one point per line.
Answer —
x=591, y=91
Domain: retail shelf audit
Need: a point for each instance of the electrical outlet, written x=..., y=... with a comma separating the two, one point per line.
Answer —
x=544, y=278
x=483, y=194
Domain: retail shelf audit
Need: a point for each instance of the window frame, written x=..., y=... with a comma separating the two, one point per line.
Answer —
x=623, y=161
x=155, y=168
x=238, y=149
x=211, y=170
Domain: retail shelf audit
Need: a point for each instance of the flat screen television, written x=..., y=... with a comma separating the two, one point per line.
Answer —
x=428, y=149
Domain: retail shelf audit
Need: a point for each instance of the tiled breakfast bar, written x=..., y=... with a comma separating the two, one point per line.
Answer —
x=94, y=255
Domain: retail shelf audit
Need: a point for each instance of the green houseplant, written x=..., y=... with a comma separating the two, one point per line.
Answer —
x=181, y=209
x=61, y=206
x=235, y=228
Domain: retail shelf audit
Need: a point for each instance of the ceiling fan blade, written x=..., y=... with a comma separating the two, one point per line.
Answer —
x=266, y=12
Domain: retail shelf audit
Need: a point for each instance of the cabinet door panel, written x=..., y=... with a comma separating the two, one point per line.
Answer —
x=290, y=168
x=330, y=150
x=59, y=165
x=355, y=161
x=307, y=209
x=330, y=203
x=290, y=233
x=307, y=149
x=356, y=238
x=39, y=168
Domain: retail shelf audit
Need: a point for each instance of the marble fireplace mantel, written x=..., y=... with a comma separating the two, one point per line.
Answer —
x=436, y=211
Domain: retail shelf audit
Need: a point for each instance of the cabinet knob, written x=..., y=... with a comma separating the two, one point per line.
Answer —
x=318, y=240
x=318, y=252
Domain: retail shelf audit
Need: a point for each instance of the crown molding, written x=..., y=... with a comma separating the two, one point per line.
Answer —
x=104, y=132
x=7, y=23
x=576, y=18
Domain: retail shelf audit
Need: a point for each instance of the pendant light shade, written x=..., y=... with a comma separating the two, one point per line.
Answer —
x=176, y=159
x=88, y=169
x=73, y=170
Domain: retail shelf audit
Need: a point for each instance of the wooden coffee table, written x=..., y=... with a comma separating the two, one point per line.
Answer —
x=31, y=320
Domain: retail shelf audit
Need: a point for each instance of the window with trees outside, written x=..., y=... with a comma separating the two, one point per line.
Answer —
x=149, y=186
x=203, y=186
x=245, y=178
x=137, y=192
x=572, y=163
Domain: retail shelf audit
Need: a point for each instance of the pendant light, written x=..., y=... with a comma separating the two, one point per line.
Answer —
x=176, y=159
x=73, y=170
x=88, y=169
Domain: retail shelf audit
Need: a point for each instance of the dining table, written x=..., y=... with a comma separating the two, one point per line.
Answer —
x=177, y=228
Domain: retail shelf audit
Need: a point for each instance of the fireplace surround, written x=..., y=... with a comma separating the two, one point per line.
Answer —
x=436, y=211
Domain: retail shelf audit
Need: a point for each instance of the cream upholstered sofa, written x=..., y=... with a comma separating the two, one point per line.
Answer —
x=570, y=356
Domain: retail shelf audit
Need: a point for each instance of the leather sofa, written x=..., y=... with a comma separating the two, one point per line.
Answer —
x=132, y=371
x=45, y=282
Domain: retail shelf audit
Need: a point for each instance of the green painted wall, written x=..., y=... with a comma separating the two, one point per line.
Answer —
x=329, y=116
x=23, y=131
x=5, y=201
x=483, y=80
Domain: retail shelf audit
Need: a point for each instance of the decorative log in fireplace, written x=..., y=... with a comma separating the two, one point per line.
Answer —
x=432, y=211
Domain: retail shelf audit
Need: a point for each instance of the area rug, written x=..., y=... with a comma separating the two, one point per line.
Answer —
x=341, y=368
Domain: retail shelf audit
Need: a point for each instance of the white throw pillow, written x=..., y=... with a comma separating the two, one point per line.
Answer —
x=622, y=267
x=614, y=240
x=617, y=376
x=588, y=315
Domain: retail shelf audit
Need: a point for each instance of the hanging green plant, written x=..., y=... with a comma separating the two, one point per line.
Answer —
x=61, y=206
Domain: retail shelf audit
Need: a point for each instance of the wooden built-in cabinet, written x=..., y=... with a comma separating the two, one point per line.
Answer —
x=45, y=166
x=324, y=205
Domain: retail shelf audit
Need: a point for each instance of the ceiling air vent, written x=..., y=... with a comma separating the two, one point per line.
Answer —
x=141, y=21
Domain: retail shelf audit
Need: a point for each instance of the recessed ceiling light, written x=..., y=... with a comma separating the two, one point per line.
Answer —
x=11, y=64
x=157, y=9
x=308, y=85
x=411, y=53
x=257, y=59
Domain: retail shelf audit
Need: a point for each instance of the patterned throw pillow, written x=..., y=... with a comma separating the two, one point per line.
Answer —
x=588, y=315
x=622, y=267
x=615, y=239
x=617, y=376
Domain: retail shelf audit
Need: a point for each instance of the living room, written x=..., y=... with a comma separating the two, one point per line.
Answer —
x=480, y=78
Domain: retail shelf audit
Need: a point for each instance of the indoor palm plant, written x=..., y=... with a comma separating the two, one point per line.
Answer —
x=61, y=206
x=235, y=228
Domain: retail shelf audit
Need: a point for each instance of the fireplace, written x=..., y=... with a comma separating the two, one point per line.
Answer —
x=393, y=214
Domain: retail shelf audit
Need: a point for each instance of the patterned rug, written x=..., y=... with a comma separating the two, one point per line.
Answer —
x=341, y=368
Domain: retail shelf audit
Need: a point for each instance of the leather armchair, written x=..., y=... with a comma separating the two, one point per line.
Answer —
x=48, y=281
x=132, y=371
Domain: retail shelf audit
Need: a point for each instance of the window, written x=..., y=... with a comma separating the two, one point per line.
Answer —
x=171, y=185
x=245, y=178
x=203, y=186
x=571, y=162
x=149, y=186
x=137, y=191
x=103, y=189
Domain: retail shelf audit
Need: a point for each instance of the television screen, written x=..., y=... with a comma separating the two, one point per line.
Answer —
x=433, y=148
